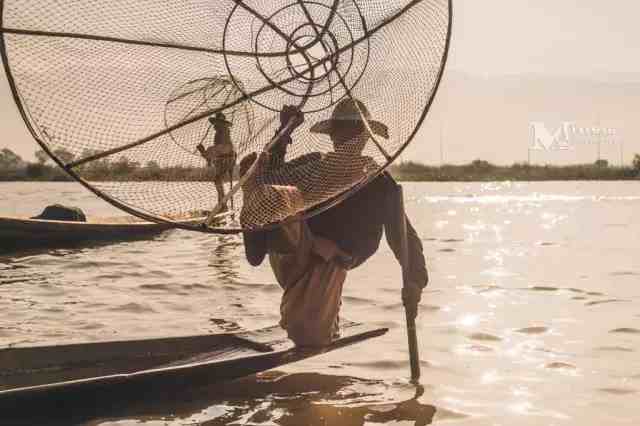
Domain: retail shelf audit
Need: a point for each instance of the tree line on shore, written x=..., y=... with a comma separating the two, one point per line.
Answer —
x=14, y=168
x=480, y=170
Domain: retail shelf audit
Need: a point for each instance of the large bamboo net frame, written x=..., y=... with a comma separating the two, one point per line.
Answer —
x=121, y=93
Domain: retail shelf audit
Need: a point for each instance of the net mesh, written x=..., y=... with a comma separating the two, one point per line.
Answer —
x=127, y=94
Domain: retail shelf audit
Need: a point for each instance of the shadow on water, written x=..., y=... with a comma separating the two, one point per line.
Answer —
x=314, y=399
x=271, y=398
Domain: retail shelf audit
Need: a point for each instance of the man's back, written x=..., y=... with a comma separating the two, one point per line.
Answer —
x=356, y=224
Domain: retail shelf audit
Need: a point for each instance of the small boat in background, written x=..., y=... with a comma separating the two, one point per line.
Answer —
x=25, y=232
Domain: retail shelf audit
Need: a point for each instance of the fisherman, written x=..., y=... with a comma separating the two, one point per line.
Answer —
x=310, y=258
x=221, y=156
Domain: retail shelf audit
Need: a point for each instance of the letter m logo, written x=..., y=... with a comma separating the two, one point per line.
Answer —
x=544, y=140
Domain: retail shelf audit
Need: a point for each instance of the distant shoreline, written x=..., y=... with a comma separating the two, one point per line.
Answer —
x=14, y=169
x=482, y=171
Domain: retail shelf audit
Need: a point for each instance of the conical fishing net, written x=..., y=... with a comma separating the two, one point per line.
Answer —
x=153, y=105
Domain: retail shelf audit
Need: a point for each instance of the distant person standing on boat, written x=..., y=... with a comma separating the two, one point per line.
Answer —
x=220, y=156
x=310, y=258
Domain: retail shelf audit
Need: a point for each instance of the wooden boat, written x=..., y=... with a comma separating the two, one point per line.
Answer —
x=19, y=232
x=62, y=374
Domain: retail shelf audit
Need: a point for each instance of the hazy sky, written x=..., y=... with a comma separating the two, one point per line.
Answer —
x=579, y=38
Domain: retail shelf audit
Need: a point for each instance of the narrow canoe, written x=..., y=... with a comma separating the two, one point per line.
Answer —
x=61, y=374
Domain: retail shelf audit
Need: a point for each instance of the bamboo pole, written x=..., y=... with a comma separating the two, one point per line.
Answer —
x=404, y=261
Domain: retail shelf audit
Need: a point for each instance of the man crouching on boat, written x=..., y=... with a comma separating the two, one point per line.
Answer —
x=310, y=258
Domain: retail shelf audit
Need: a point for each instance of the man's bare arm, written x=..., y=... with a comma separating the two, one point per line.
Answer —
x=418, y=276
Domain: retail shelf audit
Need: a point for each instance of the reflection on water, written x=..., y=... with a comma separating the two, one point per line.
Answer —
x=309, y=399
x=279, y=399
x=531, y=316
x=224, y=258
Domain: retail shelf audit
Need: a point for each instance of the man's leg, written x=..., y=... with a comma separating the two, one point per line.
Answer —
x=312, y=280
x=310, y=308
x=220, y=190
x=307, y=269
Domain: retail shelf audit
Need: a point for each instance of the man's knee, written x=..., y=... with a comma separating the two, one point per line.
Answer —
x=314, y=334
x=304, y=337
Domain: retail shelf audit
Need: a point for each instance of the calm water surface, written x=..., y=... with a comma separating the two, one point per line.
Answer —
x=532, y=316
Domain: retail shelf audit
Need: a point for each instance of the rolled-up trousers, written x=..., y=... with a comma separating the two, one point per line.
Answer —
x=306, y=269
